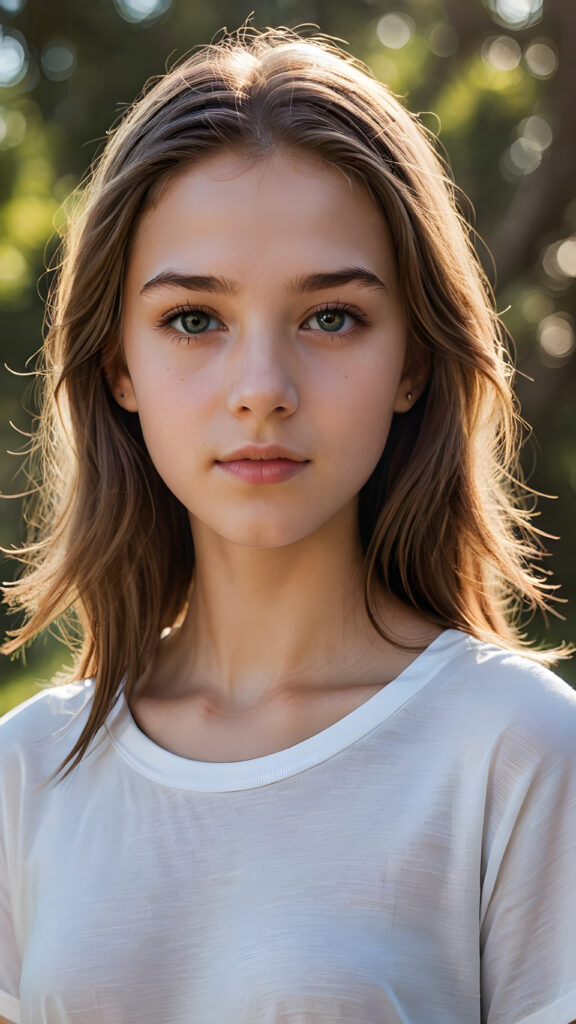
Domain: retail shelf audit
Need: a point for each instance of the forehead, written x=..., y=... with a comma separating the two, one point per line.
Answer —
x=287, y=206
x=281, y=166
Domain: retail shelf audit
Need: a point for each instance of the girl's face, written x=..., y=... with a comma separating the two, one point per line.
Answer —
x=262, y=308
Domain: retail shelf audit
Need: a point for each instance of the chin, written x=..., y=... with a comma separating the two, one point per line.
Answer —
x=260, y=533
x=262, y=539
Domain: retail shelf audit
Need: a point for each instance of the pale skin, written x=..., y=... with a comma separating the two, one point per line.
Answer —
x=276, y=644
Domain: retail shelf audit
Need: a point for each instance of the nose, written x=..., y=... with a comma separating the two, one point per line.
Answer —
x=261, y=381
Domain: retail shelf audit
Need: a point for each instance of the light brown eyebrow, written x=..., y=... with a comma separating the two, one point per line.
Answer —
x=332, y=278
x=305, y=283
x=191, y=282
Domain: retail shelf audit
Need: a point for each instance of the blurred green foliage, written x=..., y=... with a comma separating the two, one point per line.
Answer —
x=496, y=80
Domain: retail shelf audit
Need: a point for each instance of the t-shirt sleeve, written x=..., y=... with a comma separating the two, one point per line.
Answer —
x=528, y=912
x=9, y=957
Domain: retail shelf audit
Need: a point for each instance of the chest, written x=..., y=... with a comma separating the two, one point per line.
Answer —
x=312, y=899
x=194, y=730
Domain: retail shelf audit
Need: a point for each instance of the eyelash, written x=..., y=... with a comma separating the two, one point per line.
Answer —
x=181, y=338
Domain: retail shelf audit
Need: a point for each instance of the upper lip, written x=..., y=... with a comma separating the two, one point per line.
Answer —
x=265, y=451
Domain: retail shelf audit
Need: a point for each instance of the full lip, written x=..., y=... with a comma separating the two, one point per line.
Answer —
x=262, y=453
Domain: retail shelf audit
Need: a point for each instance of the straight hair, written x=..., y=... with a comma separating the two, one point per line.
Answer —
x=444, y=521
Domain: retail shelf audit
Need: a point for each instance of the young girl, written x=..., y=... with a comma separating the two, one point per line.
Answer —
x=309, y=775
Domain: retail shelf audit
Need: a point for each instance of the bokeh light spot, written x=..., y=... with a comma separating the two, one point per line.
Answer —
x=559, y=262
x=12, y=128
x=13, y=266
x=566, y=256
x=136, y=11
x=13, y=61
x=502, y=52
x=58, y=60
x=442, y=40
x=537, y=131
x=523, y=156
x=28, y=220
x=516, y=13
x=395, y=30
x=536, y=306
x=556, y=336
x=541, y=58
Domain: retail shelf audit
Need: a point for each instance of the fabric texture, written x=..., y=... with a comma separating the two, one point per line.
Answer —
x=411, y=864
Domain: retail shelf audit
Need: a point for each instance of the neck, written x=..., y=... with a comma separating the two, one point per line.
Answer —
x=262, y=619
x=264, y=622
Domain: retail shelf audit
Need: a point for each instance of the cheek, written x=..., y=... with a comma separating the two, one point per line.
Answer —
x=369, y=435
x=355, y=428
x=365, y=407
x=165, y=389
x=166, y=416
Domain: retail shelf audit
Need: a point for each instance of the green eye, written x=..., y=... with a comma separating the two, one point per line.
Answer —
x=331, y=319
x=191, y=323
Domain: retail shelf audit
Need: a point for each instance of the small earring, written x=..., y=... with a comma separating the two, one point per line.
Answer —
x=121, y=394
x=409, y=396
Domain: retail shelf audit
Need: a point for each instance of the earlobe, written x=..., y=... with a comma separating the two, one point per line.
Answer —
x=120, y=383
x=123, y=392
x=414, y=380
x=405, y=399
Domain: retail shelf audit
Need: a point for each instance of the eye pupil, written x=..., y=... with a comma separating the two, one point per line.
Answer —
x=331, y=318
x=192, y=321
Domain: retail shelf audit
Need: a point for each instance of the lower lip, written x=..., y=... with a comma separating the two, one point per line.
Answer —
x=263, y=471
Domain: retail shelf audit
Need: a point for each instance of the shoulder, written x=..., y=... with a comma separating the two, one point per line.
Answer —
x=502, y=734
x=36, y=731
x=483, y=669
x=489, y=690
x=46, y=712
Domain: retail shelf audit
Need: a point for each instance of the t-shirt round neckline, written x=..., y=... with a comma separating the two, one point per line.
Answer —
x=161, y=765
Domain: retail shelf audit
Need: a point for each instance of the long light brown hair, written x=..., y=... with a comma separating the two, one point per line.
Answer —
x=442, y=522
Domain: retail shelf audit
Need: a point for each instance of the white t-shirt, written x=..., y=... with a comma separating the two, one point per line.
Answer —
x=414, y=863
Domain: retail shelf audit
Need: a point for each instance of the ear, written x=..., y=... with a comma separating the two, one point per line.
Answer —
x=119, y=381
x=415, y=375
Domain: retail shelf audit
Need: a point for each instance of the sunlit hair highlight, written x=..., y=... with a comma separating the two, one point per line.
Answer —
x=442, y=520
